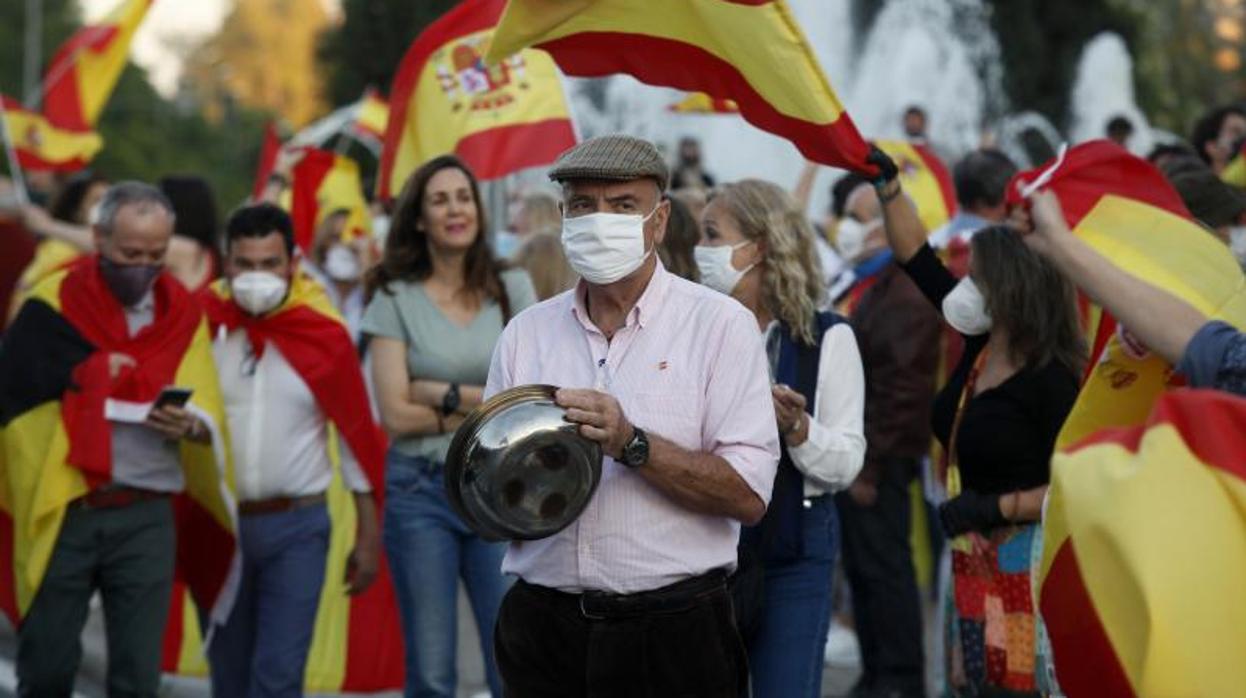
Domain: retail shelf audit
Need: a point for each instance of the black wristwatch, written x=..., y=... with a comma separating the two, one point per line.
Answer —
x=450, y=402
x=635, y=452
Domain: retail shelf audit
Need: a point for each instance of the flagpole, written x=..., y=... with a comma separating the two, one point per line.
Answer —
x=15, y=168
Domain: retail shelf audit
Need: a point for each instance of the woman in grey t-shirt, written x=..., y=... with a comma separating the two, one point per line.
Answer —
x=440, y=301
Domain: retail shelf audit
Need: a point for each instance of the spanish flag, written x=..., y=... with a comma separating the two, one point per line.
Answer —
x=749, y=51
x=498, y=118
x=357, y=643
x=269, y=149
x=1123, y=207
x=54, y=437
x=86, y=67
x=373, y=116
x=325, y=182
x=701, y=103
x=42, y=146
x=1144, y=555
x=925, y=179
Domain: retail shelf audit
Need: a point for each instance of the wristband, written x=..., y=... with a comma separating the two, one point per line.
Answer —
x=885, y=197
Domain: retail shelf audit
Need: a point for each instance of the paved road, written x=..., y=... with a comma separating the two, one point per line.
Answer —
x=836, y=681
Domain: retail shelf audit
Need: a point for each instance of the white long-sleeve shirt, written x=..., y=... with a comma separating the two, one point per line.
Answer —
x=834, y=452
x=278, y=432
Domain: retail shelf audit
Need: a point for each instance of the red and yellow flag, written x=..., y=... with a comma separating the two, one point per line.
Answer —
x=498, y=118
x=43, y=146
x=701, y=103
x=1144, y=556
x=749, y=51
x=268, y=160
x=1123, y=207
x=925, y=179
x=373, y=116
x=325, y=182
x=86, y=67
x=357, y=642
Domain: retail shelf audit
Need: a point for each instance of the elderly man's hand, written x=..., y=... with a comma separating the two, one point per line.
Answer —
x=600, y=418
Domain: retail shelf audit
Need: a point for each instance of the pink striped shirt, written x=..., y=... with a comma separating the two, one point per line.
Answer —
x=688, y=365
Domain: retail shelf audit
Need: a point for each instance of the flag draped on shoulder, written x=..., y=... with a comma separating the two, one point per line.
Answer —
x=55, y=442
x=498, y=118
x=357, y=642
x=40, y=145
x=85, y=68
x=925, y=179
x=1144, y=556
x=749, y=51
x=1123, y=207
x=324, y=183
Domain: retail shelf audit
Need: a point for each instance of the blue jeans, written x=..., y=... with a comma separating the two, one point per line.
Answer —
x=785, y=654
x=261, y=650
x=429, y=549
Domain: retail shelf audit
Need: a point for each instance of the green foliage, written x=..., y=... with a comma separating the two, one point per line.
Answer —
x=365, y=49
x=60, y=18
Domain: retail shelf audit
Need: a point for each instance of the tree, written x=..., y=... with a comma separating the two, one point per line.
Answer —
x=60, y=19
x=365, y=49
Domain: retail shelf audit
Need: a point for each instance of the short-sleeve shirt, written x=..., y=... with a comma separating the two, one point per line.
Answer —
x=437, y=348
x=1216, y=358
x=688, y=365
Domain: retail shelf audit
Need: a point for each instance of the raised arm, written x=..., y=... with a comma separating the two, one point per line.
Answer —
x=905, y=232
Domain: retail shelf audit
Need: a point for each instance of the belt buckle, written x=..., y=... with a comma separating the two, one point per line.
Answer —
x=584, y=611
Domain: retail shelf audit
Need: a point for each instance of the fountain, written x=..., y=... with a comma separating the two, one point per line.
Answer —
x=1103, y=89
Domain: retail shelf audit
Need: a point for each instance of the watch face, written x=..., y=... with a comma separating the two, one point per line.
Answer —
x=636, y=452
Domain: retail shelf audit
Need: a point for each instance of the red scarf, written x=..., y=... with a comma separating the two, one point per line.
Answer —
x=320, y=350
x=93, y=310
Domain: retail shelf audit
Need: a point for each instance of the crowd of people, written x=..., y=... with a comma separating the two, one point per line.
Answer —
x=765, y=386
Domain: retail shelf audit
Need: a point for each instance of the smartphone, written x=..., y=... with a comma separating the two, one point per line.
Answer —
x=172, y=395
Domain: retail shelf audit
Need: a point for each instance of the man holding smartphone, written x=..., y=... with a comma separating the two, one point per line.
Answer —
x=288, y=367
x=90, y=461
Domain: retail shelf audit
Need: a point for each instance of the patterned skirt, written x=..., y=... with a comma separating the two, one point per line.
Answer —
x=991, y=625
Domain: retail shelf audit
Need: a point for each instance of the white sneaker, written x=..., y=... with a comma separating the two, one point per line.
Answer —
x=842, y=649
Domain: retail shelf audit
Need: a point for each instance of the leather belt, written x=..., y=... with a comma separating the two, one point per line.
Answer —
x=115, y=497
x=279, y=504
x=673, y=598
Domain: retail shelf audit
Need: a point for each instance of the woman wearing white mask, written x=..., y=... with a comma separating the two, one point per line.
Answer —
x=440, y=301
x=997, y=419
x=758, y=248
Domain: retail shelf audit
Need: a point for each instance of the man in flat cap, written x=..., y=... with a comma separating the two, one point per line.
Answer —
x=670, y=378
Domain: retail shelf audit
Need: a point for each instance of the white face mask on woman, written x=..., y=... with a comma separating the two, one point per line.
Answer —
x=258, y=292
x=714, y=263
x=965, y=309
x=605, y=247
x=851, y=234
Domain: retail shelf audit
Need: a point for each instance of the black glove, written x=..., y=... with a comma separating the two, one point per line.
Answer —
x=887, y=169
x=970, y=511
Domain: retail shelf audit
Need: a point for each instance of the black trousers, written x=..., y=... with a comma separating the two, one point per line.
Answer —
x=886, y=604
x=666, y=644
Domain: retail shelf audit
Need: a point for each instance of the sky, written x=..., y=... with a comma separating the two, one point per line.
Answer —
x=170, y=29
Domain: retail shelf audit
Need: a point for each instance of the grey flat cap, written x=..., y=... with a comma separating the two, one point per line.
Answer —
x=617, y=157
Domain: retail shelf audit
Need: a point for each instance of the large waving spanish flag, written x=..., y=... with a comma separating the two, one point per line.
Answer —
x=54, y=437
x=40, y=145
x=1123, y=207
x=86, y=67
x=749, y=51
x=357, y=643
x=498, y=118
x=925, y=179
x=1144, y=558
x=323, y=183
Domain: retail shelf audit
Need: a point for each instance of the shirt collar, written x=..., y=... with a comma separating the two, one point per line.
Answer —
x=646, y=307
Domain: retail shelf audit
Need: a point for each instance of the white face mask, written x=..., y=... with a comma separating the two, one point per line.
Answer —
x=851, y=235
x=714, y=263
x=1237, y=243
x=605, y=247
x=258, y=292
x=380, y=228
x=341, y=263
x=965, y=309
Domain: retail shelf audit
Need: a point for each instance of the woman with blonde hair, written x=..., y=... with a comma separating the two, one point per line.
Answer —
x=758, y=247
x=542, y=256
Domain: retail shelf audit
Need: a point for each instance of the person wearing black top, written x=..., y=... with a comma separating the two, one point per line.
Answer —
x=997, y=418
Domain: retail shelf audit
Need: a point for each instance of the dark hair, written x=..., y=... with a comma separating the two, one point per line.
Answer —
x=1027, y=297
x=71, y=195
x=195, y=206
x=407, y=257
x=683, y=233
x=981, y=178
x=842, y=189
x=260, y=221
x=1169, y=150
x=914, y=110
x=1119, y=126
x=1207, y=128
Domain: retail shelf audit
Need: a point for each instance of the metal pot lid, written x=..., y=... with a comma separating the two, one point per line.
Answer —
x=518, y=470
